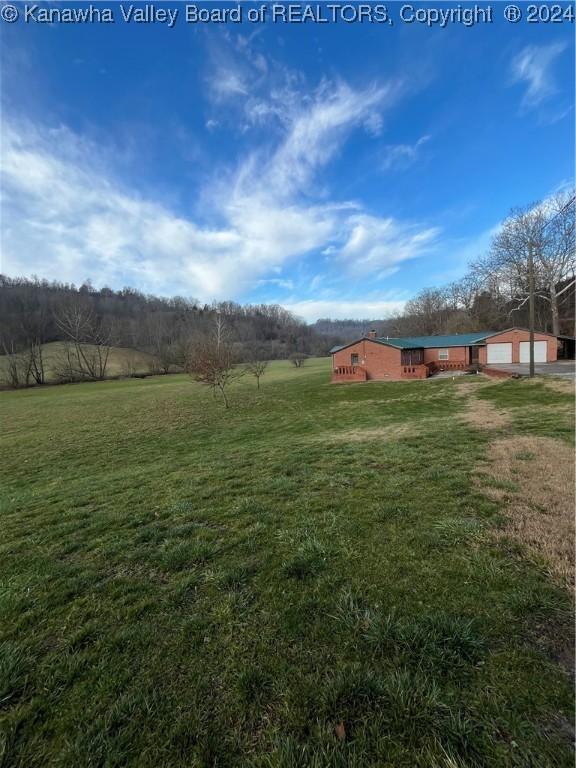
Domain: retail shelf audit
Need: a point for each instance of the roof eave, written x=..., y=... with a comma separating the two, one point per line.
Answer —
x=375, y=341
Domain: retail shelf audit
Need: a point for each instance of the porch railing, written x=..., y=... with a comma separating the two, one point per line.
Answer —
x=415, y=371
x=349, y=373
x=447, y=365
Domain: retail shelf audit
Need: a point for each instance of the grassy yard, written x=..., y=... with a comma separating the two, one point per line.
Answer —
x=321, y=576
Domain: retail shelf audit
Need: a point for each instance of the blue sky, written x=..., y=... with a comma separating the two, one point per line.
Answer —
x=333, y=168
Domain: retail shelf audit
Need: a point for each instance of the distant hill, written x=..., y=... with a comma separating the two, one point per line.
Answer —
x=345, y=328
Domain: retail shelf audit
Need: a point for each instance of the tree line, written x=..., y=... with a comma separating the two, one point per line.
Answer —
x=90, y=322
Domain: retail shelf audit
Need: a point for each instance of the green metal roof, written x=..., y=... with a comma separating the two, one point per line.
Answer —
x=425, y=342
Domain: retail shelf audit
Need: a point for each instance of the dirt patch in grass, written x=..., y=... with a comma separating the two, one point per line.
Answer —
x=560, y=385
x=483, y=415
x=474, y=383
x=534, y=477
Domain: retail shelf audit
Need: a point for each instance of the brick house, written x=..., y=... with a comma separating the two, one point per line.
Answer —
x=417, y=357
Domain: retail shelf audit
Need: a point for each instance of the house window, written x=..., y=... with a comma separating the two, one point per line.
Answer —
x=443, y=354
x=354, y=359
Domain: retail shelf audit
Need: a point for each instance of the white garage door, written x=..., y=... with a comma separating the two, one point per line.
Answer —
x=500, y=353
x=540, y=350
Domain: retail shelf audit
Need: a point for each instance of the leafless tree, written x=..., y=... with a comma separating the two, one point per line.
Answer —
x=556, y=257
x=547, y=228
x=430, y=307
x=214, y=366
x=36, y=357
x=221, y=330
x=298, y=359
x=90, y=340
x=65, y=367
x=257, y=368
x=211, y=359
x=161, y=343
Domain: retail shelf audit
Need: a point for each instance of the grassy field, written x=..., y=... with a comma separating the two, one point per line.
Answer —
x=320, y=576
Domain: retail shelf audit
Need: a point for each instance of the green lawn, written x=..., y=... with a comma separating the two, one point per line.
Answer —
x=182, y=585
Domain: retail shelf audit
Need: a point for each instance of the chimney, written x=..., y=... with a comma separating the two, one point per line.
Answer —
x=372, y=334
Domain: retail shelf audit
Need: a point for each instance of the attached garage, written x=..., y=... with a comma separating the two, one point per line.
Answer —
x=540, y=351
x=512, y=346
x=499, y=353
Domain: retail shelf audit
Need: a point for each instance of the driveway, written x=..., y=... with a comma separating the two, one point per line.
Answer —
x=565, y=368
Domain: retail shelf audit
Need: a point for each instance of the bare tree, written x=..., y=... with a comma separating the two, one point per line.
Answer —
x=161, y=342
x=36, y=358
x=557, y=256
x=221, y=331
x=90, y=339
x=214, y=366
x=65, y=367
x=298, y=359
x=547, y=228
x=33, y=324
x=257, y=368
x=430, y=310
x=211, y=359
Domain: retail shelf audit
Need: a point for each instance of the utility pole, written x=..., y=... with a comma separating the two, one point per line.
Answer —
x=531, y=303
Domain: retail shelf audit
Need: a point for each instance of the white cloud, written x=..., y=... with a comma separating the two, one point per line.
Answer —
x=227, y=82
x=344, y=310
x=314, y=131
x=377, y=245
x=287, y=284
x=67, y=216
x=69, y=221
x=532, y=66
x=402, y=155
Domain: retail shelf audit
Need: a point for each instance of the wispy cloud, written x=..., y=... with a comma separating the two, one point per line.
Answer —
x=533, y=67
x=376, y=246
x=65, y=218
x=402, y=155
x=314, y=131
x=68, y=216
x=279, y=282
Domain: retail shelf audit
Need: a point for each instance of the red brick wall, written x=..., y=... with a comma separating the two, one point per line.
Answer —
x=497, y=374
x=516, y=337
x=415, y=372
x=348, y=373
x=380, y=361
x=455, y=355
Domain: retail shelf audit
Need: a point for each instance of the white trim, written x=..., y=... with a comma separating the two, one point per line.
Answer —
x=442, y=352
